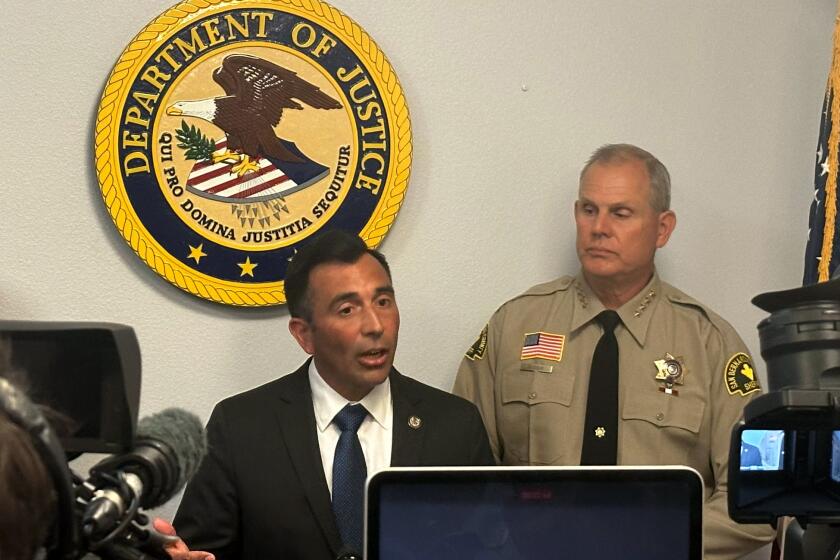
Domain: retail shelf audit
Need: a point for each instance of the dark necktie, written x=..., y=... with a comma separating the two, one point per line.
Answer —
x=349, y=473
x=600, y=436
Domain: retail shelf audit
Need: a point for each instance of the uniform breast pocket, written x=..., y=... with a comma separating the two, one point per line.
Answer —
x=535, y=410
x=659, y=428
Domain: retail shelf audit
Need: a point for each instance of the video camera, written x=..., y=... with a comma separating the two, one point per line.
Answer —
x=88, y=374
x=785, y=457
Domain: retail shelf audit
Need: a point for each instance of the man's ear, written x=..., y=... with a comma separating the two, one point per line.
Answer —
x=302, y=331
x=667, y=223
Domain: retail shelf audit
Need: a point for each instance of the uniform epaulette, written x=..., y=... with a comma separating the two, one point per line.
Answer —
x=547, y=288
x=681, y=298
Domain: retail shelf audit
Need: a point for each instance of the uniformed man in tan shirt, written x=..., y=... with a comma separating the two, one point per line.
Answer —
x=684, y=373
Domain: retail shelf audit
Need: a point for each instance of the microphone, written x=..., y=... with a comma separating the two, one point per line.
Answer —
x=168, y=450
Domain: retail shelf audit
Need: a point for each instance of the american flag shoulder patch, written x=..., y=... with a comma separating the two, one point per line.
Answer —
x=544, y=345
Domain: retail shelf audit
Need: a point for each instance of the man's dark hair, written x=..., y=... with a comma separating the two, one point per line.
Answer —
x=329, y=247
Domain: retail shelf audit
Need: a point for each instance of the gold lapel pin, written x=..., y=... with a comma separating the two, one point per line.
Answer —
x=414, y=422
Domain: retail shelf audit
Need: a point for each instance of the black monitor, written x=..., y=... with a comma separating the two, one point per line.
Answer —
x=87, y=372
x=644, y=513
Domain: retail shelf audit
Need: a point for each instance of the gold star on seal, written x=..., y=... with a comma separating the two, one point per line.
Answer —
x=600, y=432
x=247, y=267
x=196, y=253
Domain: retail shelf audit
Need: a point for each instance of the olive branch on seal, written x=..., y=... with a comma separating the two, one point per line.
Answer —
x=196, y=144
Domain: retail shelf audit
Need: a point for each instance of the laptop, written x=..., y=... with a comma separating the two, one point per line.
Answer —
x=633, y=513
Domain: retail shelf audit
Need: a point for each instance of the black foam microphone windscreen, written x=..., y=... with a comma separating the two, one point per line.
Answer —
x=167, y=452
x=184, y=444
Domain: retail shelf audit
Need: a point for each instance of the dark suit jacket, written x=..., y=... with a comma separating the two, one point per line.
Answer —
x=750, y=455
x=261, y=493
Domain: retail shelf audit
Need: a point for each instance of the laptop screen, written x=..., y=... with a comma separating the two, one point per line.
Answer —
x=648, y=513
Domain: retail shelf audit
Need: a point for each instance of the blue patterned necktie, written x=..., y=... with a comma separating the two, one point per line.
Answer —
x=349, y=473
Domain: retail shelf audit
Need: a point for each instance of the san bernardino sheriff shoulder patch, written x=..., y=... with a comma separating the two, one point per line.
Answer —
x=739, y=376
x=479, y=347
x=229, y=132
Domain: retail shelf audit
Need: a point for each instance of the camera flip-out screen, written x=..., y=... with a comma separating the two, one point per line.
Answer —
x=762, y=450
x=775, y=472
x=88, y=373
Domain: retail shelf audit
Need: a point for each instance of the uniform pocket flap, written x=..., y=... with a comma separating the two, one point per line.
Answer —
x=666, y=411
x=534, y=388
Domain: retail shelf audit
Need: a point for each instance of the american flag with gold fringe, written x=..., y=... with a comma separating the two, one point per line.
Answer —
x=822, y=253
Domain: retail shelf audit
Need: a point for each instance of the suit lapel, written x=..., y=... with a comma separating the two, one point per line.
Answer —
x=297, y=422
x=407, y=445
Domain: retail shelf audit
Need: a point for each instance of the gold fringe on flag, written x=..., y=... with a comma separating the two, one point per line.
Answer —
x=832, y=88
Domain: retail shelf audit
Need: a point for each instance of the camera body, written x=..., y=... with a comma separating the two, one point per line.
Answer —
x=785, y=457
x=88, y=375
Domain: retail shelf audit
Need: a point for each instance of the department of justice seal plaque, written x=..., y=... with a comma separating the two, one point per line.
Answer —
x=229, y=132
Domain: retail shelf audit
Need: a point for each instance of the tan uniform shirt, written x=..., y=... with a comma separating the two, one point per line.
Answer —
x=534, y=408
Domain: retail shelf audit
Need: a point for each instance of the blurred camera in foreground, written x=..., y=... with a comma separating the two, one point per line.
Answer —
x=88, y=374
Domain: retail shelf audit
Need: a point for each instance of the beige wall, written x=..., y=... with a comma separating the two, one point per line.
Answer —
x=507, y=100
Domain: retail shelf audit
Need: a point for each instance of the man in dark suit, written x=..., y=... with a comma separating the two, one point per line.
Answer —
x=267, y=487
x=750, y=455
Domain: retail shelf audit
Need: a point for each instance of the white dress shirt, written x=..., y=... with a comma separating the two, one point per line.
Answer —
x=375, y=433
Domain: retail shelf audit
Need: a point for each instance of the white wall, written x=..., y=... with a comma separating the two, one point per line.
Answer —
x=507, y=101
